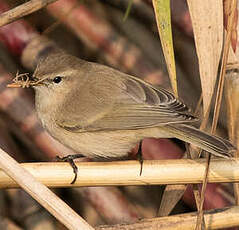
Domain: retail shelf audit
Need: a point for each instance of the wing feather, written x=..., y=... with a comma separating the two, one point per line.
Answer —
x=134, y=104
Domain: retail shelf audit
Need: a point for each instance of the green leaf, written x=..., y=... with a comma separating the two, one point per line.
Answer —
x=163, y=18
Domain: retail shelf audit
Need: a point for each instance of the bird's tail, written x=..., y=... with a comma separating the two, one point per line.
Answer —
x=213, y=144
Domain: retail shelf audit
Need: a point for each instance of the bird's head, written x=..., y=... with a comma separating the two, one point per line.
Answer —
x=55, y=74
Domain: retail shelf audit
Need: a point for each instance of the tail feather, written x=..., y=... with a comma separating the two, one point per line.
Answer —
x=213, y=144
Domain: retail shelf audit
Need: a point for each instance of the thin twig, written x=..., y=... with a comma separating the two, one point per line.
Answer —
x=223, y=67
x=23, y=10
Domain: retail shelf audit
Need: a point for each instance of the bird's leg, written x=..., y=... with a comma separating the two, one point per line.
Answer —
x=70, y=159
x=140, y=157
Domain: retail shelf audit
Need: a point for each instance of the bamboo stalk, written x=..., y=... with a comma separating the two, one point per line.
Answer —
x=23, y=10
x=42, y=194
x=183, y=171
x=214, y=219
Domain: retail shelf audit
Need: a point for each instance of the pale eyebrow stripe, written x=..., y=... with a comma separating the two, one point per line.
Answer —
x=62, y=74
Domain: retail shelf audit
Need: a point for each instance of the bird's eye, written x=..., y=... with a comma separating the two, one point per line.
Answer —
x=57, y=79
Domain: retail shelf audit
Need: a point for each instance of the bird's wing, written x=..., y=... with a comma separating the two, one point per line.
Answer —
x=125, y=103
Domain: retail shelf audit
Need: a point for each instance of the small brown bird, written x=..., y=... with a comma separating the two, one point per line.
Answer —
x=98, y=111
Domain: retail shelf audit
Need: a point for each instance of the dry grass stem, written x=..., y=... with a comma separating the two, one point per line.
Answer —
x=23, y=10
x=183, y=171
x=218, y=100
x=41, y=193
x=231, y=95
x=214, y=219
x=223, y=67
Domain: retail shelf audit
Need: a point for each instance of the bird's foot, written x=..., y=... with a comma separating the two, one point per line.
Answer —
x=70, y=159
x=140, y=157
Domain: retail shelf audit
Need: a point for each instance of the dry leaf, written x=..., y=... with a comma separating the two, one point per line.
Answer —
x=171, y=195
x=232, y=103
x=232, y=95
x=207, y=20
